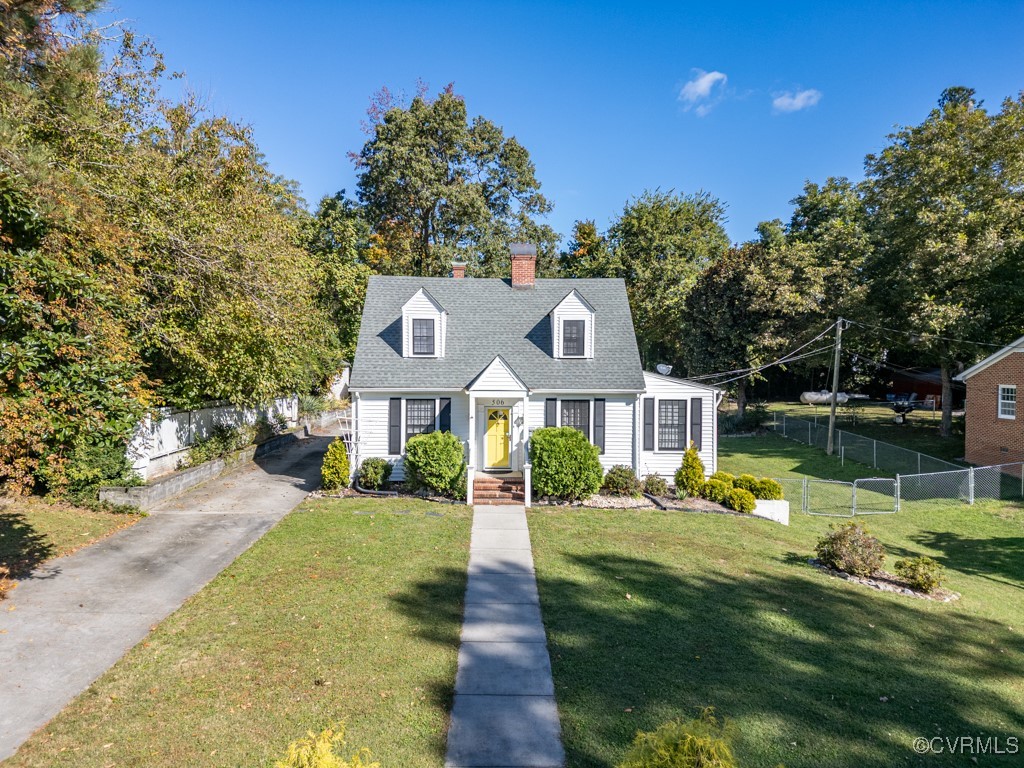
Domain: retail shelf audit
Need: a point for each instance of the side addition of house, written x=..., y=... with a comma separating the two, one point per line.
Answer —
x=491, y=360
x=995, y=425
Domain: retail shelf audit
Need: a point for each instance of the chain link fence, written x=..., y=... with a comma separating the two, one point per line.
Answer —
x=917, y=476
x=865, y=450
x=886, y=495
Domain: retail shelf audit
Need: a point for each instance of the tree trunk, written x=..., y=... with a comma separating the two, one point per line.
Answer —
x=946, y=425
x=741, y=398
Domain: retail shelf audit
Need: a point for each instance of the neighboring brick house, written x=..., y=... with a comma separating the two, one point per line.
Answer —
x=995, y=423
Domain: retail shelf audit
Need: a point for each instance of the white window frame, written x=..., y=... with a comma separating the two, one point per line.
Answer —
x=412, y=336
x=1007, y=389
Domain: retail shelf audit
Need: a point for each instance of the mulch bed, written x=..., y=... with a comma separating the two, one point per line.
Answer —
x=884, y=581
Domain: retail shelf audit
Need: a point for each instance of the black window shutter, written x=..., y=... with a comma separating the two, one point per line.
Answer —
x=696, y=420
x=585, y=418
x=599, y=424
x=395, y=426
x=550, y=412
x=648, y=423
x=444, y=421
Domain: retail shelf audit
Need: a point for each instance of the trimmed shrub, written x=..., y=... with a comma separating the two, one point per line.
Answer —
x=655, y=485
x=374, y=472
x=621, y=481
x=88, y=469
x=851, y=549
x=690, y=475
x=746, y=482
x=335, y=472
x=768, y=489
x=434, y=460
x=717, y=491
x=741, y=500
x=700, y=743
x=565, y=464
x=921, y=573
x=725, y=477
x=321, y=751
x=460, y=490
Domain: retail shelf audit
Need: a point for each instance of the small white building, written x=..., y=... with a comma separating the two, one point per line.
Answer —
x=491, y=360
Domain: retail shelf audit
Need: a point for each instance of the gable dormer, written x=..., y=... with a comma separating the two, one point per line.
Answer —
x=424, y=326
x=572, y=327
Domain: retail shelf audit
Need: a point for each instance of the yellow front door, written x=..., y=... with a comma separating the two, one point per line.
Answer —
x=498, y=437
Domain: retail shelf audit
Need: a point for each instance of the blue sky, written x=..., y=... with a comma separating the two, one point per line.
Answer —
x=742, y=100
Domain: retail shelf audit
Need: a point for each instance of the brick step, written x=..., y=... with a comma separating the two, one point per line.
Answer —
x=496, y=502
x=489, y=494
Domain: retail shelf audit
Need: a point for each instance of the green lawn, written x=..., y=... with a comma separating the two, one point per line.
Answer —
x=33, y=531
x=725, y=611
x=331, y=616
x=919, y=433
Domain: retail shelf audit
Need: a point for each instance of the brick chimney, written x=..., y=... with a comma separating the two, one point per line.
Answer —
x=524, y=265
x=458, y=269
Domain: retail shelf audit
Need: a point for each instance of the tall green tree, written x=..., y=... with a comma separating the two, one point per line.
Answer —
x=587, y=254
x=749, y=306
x=659, y=245
x=449, y=187
x=946, y=201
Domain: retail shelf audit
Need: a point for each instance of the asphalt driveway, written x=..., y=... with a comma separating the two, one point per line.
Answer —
x=76, y=616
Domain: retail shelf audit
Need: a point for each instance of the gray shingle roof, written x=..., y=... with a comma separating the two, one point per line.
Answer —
x=487, y=317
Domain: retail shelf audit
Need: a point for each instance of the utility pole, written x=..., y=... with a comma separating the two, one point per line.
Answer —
x=835, y=389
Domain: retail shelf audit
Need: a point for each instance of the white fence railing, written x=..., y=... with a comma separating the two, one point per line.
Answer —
x=161, y=438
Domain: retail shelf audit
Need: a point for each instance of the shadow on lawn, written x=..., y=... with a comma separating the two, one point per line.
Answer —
x=22, y=547
x=994, y=556
x=796, y=657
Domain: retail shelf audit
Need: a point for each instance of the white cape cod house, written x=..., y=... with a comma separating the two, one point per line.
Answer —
x=491, y=360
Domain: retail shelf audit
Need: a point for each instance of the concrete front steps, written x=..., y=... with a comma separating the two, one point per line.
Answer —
x=498, y=489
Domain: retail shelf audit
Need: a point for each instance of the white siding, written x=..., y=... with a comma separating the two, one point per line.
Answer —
x=573, y=307
x=423, y=307
x=497, y=377
x=618, y=419
x=665, y=463
x=372, y=423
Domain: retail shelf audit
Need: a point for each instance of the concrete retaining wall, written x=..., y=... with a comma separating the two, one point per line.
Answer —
x=148, y=496
x=773, y=510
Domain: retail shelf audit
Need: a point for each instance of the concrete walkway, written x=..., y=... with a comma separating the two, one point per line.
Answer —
x=77, y=615
x=504, y=713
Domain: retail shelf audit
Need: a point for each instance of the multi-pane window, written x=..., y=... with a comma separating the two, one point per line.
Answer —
x=1007, y=401
x=423, y=337
x=573, y=339
x=576, y=414
x=672, y=425
x=419, y=417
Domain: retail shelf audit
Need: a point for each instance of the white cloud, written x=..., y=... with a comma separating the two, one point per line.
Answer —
x=703, y=92
x=794, y=102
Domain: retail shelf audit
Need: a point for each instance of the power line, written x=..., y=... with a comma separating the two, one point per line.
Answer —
x=753, y=369
x=780, y=361
x=925, y=335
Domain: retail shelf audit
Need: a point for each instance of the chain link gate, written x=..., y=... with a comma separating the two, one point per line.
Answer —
x=838, y=498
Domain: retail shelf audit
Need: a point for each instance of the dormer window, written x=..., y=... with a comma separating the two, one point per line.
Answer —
x=574, y=336
x=424, y=322
x=423, y=336
x=572, y=327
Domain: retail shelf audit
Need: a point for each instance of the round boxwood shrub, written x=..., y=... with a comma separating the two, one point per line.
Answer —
x=921, y=573
x=335, y=472
x=565, y=464
x=434, y=460
x=621, y=481
x=725, y=477
x=717, y=491
x=746, y=482
x=741, y=500
x=690, y=475
x=768, y=489
x=851, y=549
x=655, y=485
x=374, y=472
